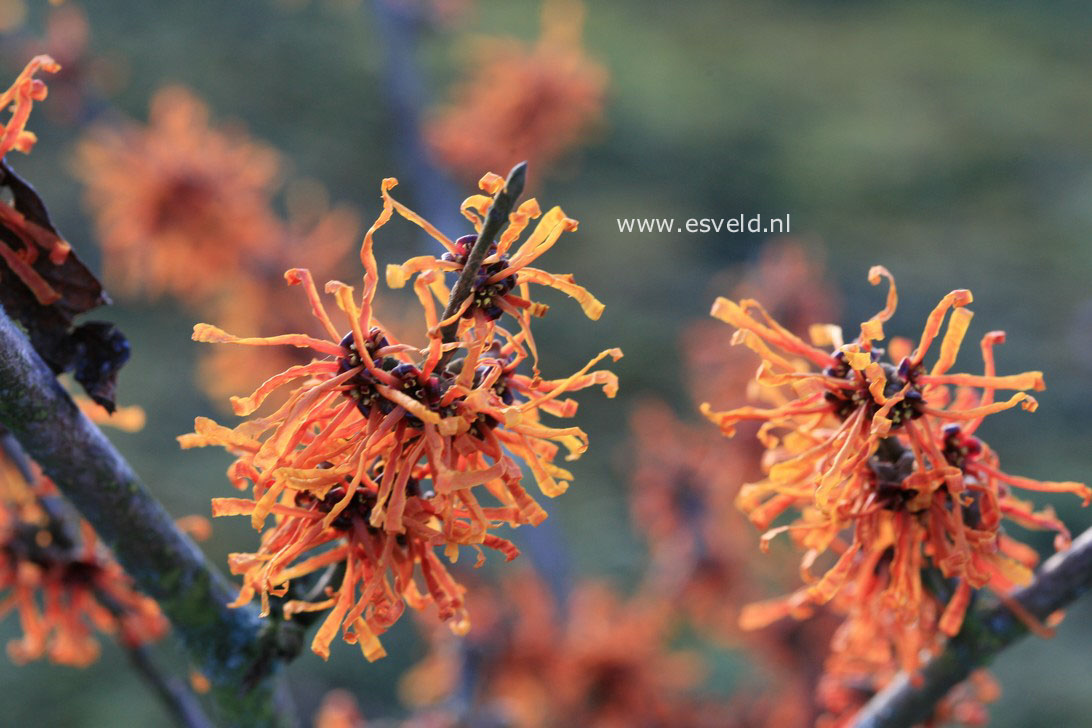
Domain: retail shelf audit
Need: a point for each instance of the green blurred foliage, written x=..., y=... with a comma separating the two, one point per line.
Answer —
x=947, y=141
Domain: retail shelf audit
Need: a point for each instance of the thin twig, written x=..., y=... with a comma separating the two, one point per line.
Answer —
x=179, y=699
x=399, y=26
x=14, y=454
x=162, y=561
x=495, y=219
x=906, y=702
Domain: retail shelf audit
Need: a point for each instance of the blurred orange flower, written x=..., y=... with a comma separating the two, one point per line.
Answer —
x=13, y=13
x=126, y=419
x=862, y=663
x=605, y=663
x=180, y=206
x=685, y=480
x=62, y=584
x=522, y=102
x=339, y=710
x=683, y=499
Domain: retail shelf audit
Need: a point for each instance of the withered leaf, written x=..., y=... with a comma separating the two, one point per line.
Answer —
x=63, y=289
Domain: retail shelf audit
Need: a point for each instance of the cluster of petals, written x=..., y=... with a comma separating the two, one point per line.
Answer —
x=179, y=204
x=872, y=467
x=603, y=661
x=522, y=101
x=383, y=452
x=62, y=585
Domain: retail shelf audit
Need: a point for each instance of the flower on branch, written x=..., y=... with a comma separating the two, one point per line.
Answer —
x=60, y=580
x=521, y=101
x=607, y=661
x=891, y=494
x=382, y=452
x=180, y=205
x=501, y=285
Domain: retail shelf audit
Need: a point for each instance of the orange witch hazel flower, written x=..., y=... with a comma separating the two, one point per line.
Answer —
x=879, y=459
x=179, y=204
x=683, y=486
x=381, y=450
x=522, y=101
x=607, y=661
x=62, y=584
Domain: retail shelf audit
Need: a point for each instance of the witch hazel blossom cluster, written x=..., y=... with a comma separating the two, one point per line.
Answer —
x=383, y=453
x=873, y=469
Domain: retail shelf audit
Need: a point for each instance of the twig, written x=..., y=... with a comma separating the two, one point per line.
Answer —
x=175, y=694
x=163, y=562
x=503, y=202
x=400, y=25
x=906, y=702
x=13, y=452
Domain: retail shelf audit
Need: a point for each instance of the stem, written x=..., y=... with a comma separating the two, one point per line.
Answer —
x=400, y=24
x=183, y=705
x=1062, y=579
x=495, y=219
x=163, y=562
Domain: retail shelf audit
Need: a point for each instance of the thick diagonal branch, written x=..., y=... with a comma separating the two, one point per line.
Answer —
x=1063, y=578
x=163, y=562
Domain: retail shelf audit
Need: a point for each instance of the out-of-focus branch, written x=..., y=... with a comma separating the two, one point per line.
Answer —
x=164, y=563
x=906, y=702
x=182, y=703
x=400, y=25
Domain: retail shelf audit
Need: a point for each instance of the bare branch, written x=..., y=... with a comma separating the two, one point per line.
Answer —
x=179, y=699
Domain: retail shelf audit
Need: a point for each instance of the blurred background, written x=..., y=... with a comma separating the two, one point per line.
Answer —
x=947, y=141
